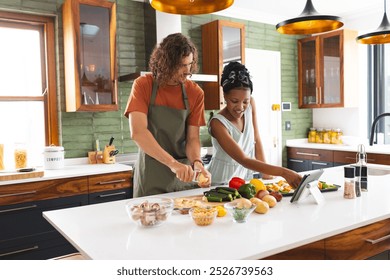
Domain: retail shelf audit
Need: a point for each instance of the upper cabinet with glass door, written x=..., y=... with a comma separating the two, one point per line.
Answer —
x=328, y=71
x=90, y=55
x=222, y=42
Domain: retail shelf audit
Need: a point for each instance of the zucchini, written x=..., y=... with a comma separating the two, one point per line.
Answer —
x=213, y=199
x=224, y=196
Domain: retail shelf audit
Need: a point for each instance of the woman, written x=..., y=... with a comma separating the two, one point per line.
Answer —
x=165, y=111
x=235, y=137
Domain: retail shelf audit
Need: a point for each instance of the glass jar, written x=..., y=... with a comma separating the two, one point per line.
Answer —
x=1, y=156
x=333, y=136
x=319, y=135
x=20, y=155
x=349, y=182
x=312, y=135
x=326, y=136
x=339, y=135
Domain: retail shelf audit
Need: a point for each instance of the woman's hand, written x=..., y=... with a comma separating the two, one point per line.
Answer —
x=292, y=178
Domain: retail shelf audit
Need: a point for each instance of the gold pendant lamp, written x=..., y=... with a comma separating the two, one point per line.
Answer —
x=309, y=22
x=380, y=36
x=190, y=7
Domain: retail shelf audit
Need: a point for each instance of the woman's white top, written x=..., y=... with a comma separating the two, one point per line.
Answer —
x=222, y=167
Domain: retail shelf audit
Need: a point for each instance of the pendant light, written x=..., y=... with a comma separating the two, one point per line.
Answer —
x=379, y=36
x=309, y=22
x=190, y=7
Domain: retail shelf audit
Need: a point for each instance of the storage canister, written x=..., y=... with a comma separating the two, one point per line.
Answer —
x=53, y=157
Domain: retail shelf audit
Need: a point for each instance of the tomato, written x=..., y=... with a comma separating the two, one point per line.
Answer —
x=236, y=182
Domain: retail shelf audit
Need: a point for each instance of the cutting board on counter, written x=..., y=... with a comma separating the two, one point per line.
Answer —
x=200, y=199
x=7, y=176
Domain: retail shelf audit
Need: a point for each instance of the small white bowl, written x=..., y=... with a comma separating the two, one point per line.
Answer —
x=149, y=211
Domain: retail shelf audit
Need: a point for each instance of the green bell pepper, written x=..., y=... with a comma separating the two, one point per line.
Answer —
x=247, y=190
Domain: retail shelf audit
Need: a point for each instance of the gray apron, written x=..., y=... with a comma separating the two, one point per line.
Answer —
x=168, y=126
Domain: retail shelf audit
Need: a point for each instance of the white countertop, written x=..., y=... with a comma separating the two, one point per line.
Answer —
x=73, y=170
x=349, y=146
x=104, y=231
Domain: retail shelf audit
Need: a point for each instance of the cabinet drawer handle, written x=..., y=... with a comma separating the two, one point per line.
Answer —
x=295, y=160
x=319, y=163
x=15, y=194
x=112, y=182
x=307, y=154
x=20, y=251
x=111, y=194
x=378, y=240
x=17, y=209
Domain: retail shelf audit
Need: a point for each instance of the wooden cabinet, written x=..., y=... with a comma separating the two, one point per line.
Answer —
x=327, y=70
x=110, y=187
x=358, y=244
x=222, y=42
x=89, y=28
x=25, y=234
x=303, y=159
x=341, y=158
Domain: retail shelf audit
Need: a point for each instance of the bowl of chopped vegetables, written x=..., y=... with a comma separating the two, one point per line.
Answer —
x=240, y=209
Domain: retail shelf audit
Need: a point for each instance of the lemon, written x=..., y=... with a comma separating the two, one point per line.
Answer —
x=259, y=185
x=221, y=211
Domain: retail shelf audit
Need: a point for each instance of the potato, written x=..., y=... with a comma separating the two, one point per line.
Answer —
x=243, y=203
x=270, y=200
x=261, y=193
x=262, y=207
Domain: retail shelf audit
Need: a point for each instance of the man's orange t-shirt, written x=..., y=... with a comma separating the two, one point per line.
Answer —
x=170, y=96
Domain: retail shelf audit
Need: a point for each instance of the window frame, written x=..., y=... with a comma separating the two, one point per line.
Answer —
x=46, y=25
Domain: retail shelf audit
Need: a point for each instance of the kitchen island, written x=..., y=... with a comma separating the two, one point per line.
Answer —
x=105, y=232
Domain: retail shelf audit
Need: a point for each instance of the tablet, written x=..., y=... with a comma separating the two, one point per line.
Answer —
x=306, y=180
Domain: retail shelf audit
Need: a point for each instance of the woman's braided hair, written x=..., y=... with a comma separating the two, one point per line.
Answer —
x=235, y=75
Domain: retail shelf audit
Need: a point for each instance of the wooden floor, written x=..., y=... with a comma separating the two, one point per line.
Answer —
x=74, y=256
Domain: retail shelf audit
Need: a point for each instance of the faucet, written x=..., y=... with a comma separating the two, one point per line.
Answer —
x=374, y=125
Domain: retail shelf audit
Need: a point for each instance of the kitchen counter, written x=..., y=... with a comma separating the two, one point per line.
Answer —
x=73, y=170
x=349, y=146
x=104, y=231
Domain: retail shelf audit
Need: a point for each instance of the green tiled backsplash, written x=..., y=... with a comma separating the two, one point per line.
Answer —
x=78, y=131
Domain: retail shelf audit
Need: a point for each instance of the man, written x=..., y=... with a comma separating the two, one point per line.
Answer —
x=165, y=111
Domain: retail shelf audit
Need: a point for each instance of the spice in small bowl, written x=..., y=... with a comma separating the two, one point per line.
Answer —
x=240, y=209
x=203, y=216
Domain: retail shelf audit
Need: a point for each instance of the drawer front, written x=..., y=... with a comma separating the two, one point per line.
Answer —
x=310, y=154
x=378, y=159
x=111, y=181
x=344, y=157
x=107, y=196
x=38, y=247
x=312, y=251
x=28, y=192
x=25, y=219
x=360, y=243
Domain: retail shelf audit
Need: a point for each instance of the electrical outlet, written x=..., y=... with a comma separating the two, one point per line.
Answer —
x=287, y=125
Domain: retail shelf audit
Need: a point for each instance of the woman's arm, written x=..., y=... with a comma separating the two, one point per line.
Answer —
x=220, y=133
x=141, y=135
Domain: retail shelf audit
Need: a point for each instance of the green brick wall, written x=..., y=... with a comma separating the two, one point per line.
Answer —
x=79, y=130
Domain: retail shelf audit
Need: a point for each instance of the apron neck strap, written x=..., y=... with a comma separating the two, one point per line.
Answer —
x=154, y=94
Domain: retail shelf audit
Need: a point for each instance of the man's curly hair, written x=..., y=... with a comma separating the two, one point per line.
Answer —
x=166, y=58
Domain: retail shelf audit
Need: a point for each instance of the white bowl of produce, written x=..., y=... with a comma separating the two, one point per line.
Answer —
x=150, y=211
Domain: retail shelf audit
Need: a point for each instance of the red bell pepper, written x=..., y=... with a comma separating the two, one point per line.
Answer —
x=236, y=182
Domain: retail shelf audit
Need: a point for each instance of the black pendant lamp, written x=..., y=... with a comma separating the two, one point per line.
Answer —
x=190, y=7
x=309, y=22
x=380, y=36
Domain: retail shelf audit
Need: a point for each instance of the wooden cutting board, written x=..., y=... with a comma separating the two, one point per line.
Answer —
x=200, y=198
x=7, y=176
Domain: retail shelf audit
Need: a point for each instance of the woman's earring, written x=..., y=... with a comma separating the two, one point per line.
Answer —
x=225, y=102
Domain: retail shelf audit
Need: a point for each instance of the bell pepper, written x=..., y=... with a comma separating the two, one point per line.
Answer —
x=247, y=190
x=236, y=182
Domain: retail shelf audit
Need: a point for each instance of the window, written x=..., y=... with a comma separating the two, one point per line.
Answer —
x=28, y=111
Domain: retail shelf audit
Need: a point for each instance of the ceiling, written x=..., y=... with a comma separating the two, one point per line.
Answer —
x=362, y=15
